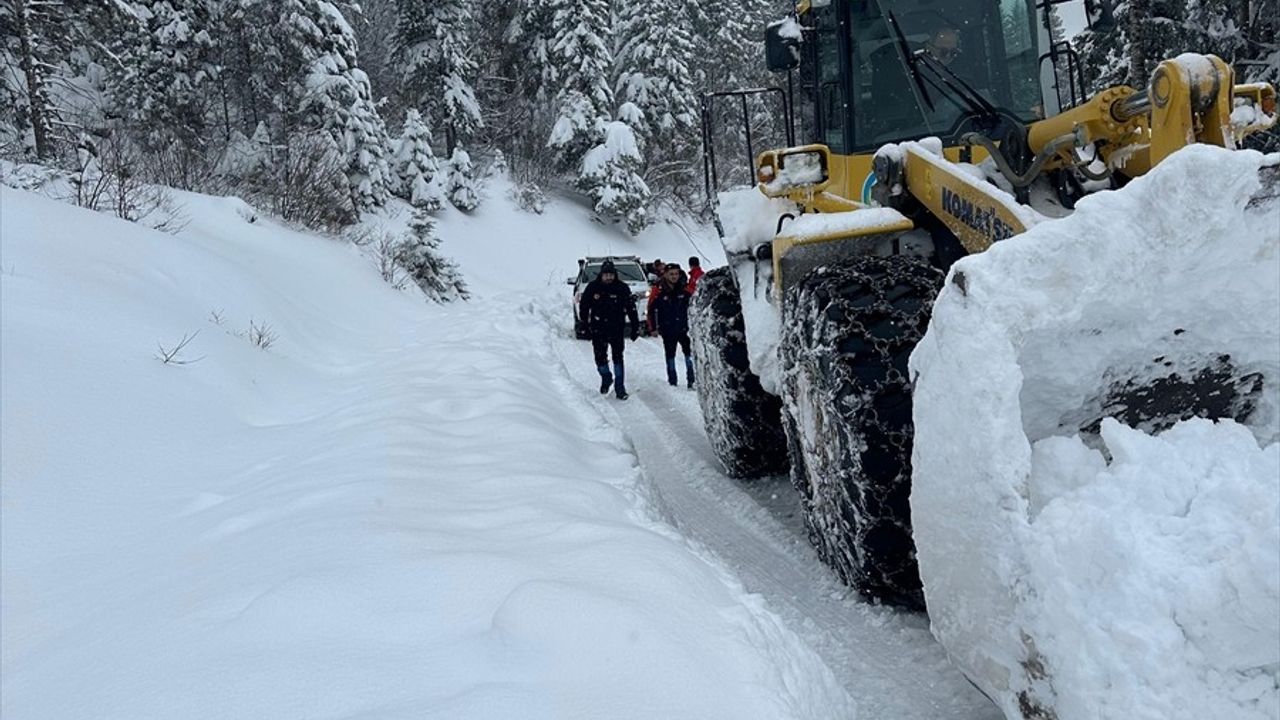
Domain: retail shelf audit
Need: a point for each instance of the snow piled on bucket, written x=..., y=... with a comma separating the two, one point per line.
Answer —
x=1083, y=569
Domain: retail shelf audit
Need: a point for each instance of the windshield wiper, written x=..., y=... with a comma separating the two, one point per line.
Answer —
x=962, y=93
x=909, y=58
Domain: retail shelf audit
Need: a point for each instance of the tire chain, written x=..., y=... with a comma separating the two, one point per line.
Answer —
x=850, y=330
x=743, y=421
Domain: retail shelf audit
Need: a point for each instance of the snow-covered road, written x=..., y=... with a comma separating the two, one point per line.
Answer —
x=885, y=659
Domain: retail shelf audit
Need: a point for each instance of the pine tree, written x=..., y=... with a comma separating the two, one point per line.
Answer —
x=434, y=49
x=578, y=65
x=366, y=146
x=333, y=94
x=610, y=175
x=419, y=254
x=167, y=67
x=1146, y=32
x=47, y=44
x=654, y=59
x=460, y=183
x=416, y=165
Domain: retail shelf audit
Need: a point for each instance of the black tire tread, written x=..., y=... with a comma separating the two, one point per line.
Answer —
x=848, y=332
x=743, y=421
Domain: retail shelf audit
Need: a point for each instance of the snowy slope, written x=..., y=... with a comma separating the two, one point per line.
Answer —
x=500, y=250
x=385, y=513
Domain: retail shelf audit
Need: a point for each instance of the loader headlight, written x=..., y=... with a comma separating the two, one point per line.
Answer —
x=887, y=169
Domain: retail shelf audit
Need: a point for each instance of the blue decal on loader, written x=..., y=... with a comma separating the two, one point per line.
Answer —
x=867, y=184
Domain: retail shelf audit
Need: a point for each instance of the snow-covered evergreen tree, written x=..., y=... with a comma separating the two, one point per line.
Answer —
x=48, y=45
x=579, y=65
x=334, y=95
x=460, y=182
x=433, y=42
x=167, y=69
x=610, y=175
x=654, y=58
x=419, y=254
x=1146, y=32
x=653, y=61
x=366, y=147
x=416, y=164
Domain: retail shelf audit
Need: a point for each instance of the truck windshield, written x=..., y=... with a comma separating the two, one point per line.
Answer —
x=989, y=44
x=627, y=272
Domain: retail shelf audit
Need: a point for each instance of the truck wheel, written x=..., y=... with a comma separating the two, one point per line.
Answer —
x=848, y=331
x=743, y=421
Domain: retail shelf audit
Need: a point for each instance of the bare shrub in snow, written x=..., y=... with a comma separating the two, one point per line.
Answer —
x=384, y=248
x=216, y=317
x=302, y=181
x=260, y=335
x=173, y=355
x=109, y=177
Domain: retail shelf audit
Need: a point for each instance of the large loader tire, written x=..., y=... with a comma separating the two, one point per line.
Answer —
x=848, y=332
x=743, y=421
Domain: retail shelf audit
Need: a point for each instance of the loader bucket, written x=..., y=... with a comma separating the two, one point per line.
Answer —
x=1097, y=409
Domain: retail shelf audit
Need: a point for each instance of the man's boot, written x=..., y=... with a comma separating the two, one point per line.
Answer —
x=606, y=380
x=688, y=369
x=619, y=387
x=672, y=380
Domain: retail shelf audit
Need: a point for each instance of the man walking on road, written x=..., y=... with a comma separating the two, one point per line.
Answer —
x=671, y=317
x=606, y=306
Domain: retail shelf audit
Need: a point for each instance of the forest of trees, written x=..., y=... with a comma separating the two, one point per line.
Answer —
x=1245, y=33
x=319, y=110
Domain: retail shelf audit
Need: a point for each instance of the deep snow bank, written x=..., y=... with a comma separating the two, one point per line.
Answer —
x=391, y=511
x=1101, y=571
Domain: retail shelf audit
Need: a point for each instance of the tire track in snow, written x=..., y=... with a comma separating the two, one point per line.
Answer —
x=885, y=659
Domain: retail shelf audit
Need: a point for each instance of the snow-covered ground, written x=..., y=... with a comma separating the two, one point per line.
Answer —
x=393, y=509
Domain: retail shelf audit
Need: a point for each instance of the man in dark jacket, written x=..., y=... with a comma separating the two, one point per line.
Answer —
x=606, y=306
x=671, y=317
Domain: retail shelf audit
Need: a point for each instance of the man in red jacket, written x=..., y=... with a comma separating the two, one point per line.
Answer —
x=695, y=272
x=654, y=288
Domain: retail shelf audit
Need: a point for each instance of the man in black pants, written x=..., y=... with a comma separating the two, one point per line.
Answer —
x=606, y=306
x=671, y=316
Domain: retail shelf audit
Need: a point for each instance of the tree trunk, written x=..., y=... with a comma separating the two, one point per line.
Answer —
x=37, y=100
x=1138, y=27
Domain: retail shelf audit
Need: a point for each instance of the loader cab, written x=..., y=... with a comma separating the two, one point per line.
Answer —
x=883, y=71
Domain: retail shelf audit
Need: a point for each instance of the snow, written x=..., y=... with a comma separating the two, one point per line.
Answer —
x=798, y=170
x=1133, y=573
x=789, y=28
x=930, y=150
x=750, y=218
x=815, y=224
x=386, y=513
x=506, y=252
x=1247, y=115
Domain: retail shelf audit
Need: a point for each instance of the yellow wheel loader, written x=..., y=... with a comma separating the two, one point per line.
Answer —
x=928, y=131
